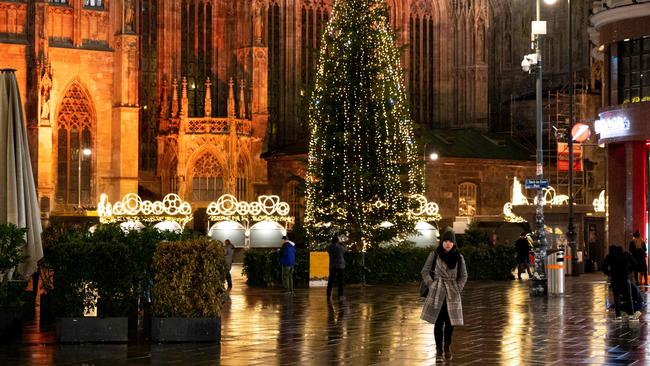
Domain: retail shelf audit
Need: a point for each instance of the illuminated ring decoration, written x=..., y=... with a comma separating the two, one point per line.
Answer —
x=255, y=208
x=227, y=204
x=268, y=203
x=265, y=206
x=133, y=208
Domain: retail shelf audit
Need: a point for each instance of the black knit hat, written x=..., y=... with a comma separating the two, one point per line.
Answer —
x=448, y=235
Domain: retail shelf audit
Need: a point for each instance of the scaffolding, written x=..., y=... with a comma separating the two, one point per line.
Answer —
x=557, y=110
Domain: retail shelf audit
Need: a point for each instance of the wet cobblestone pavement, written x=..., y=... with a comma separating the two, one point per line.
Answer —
x=380, y=325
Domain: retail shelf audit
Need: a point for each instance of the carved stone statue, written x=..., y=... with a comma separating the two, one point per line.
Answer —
x=128, y=16
x=256, y=8
x=45, y=88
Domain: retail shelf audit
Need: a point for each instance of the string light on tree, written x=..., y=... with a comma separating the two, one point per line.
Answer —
x=362, y=149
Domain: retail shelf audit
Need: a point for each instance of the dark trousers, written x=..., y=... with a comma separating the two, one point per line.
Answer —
x=229, y=279
x=336, y=274
x=443, y=321
x=621, y=287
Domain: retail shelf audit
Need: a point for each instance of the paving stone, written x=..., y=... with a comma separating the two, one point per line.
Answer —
x=380, y=325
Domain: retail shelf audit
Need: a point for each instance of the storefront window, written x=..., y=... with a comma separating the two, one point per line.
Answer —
x=634, y=70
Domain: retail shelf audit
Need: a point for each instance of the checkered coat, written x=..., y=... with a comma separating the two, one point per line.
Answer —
x=446, y=284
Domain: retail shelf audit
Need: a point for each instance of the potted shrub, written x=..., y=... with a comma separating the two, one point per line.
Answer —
x=188, y=291
x=101, y=271
x=12, y=239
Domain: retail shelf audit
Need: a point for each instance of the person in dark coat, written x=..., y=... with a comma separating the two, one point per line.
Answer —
x=443, y=306
x=336, y=253
x=617, y=265
x=287, y=261
x=230, y=251
x=523, y=259
x=638, y=250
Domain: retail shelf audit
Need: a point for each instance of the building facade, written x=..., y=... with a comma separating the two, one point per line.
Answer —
x=204, y=97
x=621, y=37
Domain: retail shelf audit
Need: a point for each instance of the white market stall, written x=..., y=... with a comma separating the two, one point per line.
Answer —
x=258, y=224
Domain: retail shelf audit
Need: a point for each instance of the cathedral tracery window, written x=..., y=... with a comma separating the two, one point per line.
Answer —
x=207, y=178
x=196, y=52
x=423, y=56
x=75, y=128
x=242, y=181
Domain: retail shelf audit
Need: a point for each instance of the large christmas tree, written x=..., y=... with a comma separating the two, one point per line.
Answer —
x=364, y=165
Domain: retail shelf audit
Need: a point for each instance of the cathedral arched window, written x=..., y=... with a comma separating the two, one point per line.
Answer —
x=94, y=3
x=423, y=49
x=207, y=178
x=196, y=52
x=467, y=199
x=74, y=146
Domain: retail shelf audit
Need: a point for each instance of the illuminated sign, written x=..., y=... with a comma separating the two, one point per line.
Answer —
x=612, y=126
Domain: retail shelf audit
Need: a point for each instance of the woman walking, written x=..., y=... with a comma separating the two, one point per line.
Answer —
x=445, y=274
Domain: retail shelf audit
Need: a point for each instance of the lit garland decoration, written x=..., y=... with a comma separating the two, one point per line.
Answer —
x=549, y=197
x=510, y=216
x=599, y=203
x=552, y=198
x=426, y=211
x=364, y=166
x=267, y=208
x=133, y=208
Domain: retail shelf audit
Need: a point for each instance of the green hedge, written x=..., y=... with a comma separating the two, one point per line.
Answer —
x=490, y=263
x=391, y=265
x=109, y=262
x=189, y=278
x=262, y=268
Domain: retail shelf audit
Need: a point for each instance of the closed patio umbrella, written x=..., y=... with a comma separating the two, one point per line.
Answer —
x=18, y=199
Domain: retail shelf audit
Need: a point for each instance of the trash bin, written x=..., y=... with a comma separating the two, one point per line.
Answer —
x=555, y=272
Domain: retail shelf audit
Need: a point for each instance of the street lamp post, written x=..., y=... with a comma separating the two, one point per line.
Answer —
x=533, y=62
x=82, y=153
x=571, y=234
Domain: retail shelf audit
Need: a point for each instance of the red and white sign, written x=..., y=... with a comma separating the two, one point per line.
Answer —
x=563, y=157
x=580, y=132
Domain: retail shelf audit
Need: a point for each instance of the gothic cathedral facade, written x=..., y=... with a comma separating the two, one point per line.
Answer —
x=190, y=96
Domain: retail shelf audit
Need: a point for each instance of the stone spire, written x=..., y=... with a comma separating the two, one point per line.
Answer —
x=184, y=100
x=242, y=102
x=208, y=99
x=231, y=99
x=174, y=98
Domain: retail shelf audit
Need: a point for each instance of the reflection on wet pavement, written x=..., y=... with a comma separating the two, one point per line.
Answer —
x=381, y=325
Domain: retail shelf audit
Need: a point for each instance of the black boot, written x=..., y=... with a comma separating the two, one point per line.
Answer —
x=448, y=354
x=439, y=355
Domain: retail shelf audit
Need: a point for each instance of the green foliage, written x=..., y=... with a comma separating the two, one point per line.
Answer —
x=389, y=265
x=489, y=263
x=108, y=269
x=262, y=268
x=362, y=148
x=473, y=236
x=12, y=240
x=189, y=278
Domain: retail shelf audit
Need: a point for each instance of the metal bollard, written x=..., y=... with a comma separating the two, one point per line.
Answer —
x=555, y=272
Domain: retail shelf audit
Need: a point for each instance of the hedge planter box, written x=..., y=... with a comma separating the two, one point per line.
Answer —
x=90, y=329
x=186, y=329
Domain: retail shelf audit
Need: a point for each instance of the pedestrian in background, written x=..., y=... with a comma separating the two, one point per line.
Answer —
x=287, y=261
x=638, y=250
x=523, y=260
x=445, y=274
x=336, y=253
x=230, y=251
x=617, y=265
